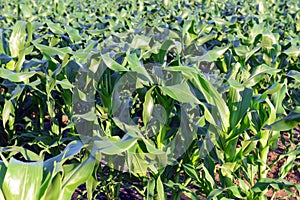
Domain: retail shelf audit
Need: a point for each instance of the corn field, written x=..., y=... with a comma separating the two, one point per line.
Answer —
x=147, y=99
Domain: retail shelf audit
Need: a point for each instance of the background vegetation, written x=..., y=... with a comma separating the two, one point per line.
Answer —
x=236, y=62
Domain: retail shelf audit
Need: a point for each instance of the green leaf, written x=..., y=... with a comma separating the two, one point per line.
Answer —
x=74, y=34
x=263, y=184
x=136, y=162
x=65, y=84
x=191, y=171
x=239, y=104
x=8, y=109
x=150, y=189
x=244, y=51
x=278, y=94
x=293, y=51
x=113, y=146
x=75, y=175
x=2, y=174
x=268, y=39
x=214, y=54
x=285, y=124
x=54, y=188
x=110, y=63
x=216, y=192
x=52, y=51
x=220, y=113
x=140, y=41
x=259, y=74
x=70, y=150
x=160, y=189
x=136, y=66
x=17, y=38
x=148, y=106
x=180, y=92
x=22, y=180
x=15, y=77
x=26, y=153
x=294, y=74
x=55, y=27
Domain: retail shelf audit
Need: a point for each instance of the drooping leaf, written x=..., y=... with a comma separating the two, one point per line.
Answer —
x=52, y=51
x=15, y=77
x=259, y=74
x=286, y=123
x=180, y=92
x=214, y=54
x=110, y=63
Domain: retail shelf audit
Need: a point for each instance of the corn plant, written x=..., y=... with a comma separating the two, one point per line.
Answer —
x=169, y=99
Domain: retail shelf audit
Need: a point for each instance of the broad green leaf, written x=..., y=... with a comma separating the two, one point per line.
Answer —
x=293, y=51
x=15, y=76
x=8, y=110
x=180, y=92
x=74, y=34
x=2, y=43
x=189, y=32
x=65, y=84
x=55, y=27
x=285, y=124
x=136, y=66
x=17, y=38
x=220, y=112
x=140, y=41
x=160, y=188
x=52, y=51
x=150, y=189
x=259, y=74
x=70, y=151
x=22, y=180
x=54, y=188
x=244, y=51
x=202, y=40
x=2, y=174
x=110, y=63
x=75, y=175
x=136, y=162
x=148, y=106
x=27, y=10
x=216, y=192
x=278, y=92
x=110, y=146
x=264, y=183
x=26, y=153
x=268, y=39
x=214, y=54
x=255, y=31
x=294, y=74
x=92, y=182
x=191, y=171
x=163, y=50
x=239, y=104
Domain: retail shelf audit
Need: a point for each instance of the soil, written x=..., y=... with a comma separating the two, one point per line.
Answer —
x=293, y=175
